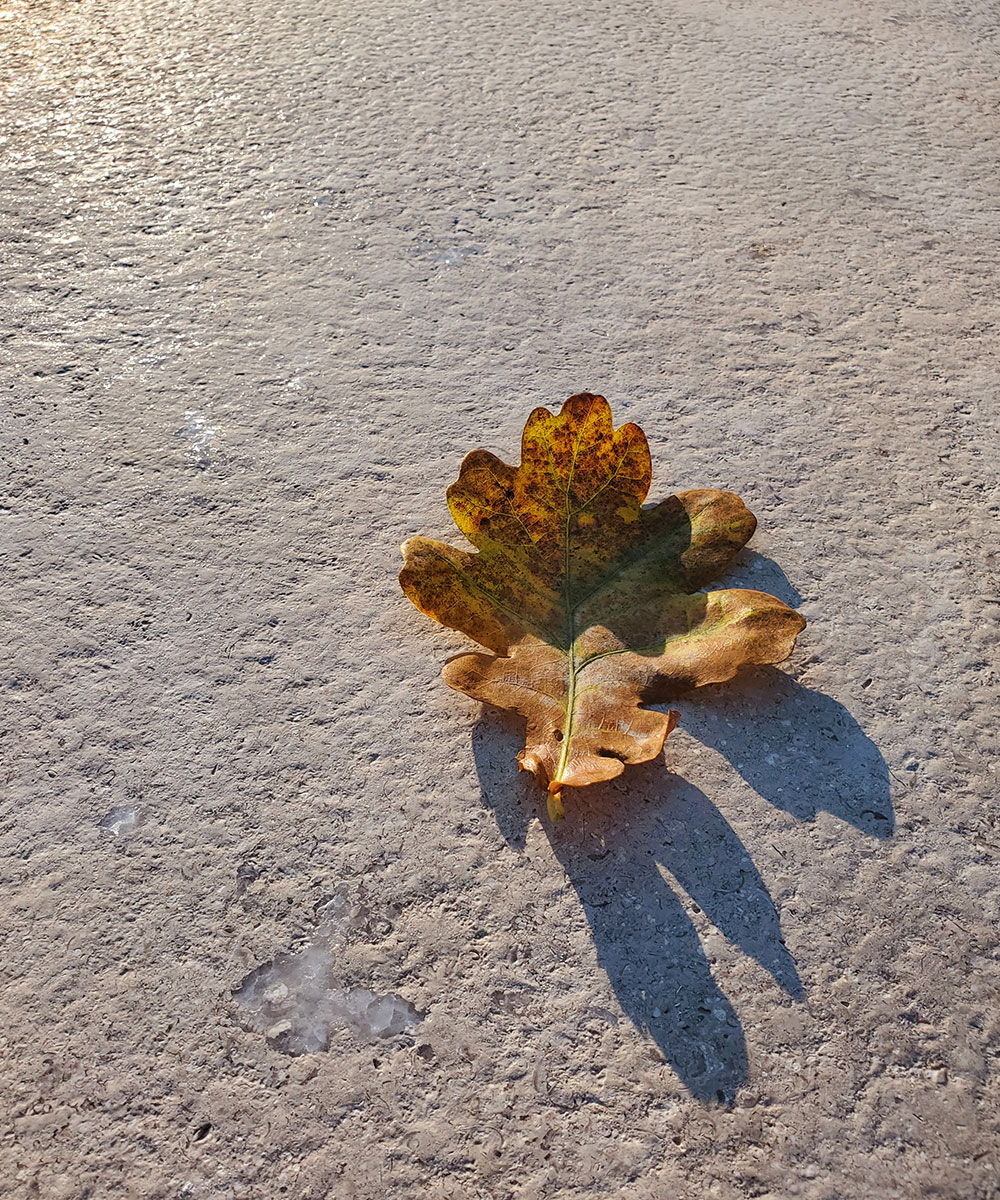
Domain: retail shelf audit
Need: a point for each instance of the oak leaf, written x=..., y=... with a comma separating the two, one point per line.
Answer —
x=589, y=602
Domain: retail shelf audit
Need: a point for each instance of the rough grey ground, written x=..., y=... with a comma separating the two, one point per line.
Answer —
x=268, y=271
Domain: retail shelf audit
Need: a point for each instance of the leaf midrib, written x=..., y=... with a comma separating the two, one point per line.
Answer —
x=567, y=735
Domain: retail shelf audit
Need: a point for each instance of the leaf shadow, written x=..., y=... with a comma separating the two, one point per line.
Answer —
x=622, y=836
x=645, y=939
x=751, y=569
x=798, y=748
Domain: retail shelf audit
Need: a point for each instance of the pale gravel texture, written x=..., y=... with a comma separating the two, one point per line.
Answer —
x=269, y=270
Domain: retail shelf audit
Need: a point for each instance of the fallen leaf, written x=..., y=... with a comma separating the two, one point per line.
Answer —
x=589, y=601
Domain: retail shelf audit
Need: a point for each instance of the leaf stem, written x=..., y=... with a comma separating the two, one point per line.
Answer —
x=567, y=731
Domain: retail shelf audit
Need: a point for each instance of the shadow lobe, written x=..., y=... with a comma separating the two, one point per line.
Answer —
x=801, y=750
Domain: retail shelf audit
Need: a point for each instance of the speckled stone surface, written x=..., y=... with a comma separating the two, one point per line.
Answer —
x=269, y=270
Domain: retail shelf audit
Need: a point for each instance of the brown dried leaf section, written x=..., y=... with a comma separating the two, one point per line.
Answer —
x=590, y=602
